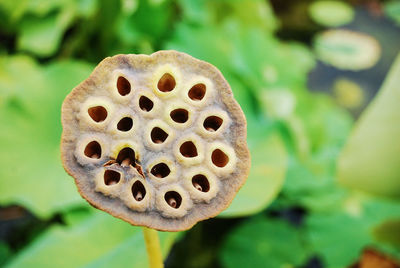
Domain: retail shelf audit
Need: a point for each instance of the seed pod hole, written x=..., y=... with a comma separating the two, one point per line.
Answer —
x=93, y=150
x=158, y=135
x=98, y=113
x=173, y=199
x=219, y=158
x=201, y=183
x=125, y=124
x=160, y=170
x=212, y=123
x=166, y=83
x=126, y=157
x=138, y=191
x=179, y=115
x=123, y=86
x=197, y=92
x=111, y=177
x=145, y=104
x=188, y=149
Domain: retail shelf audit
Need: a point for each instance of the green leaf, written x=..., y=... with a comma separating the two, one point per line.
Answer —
x=11, y=84
x=321, y=129
x=259, y=13
x=5, y=252
x=325, y=123
x=339, y=236
x=137, y=27
x=347, y=50
x=129, y=6
x=331, y=13
x=310, y=184
x=278, y=103
x=13, y=10
x=370, y=160
x=217, y=51
x=122, y=255
x=77, y=215
x=30, y=166
x=99, y=241
x=392, y=10
x=262, y=242
x=42, y=36
x=86, y=8
x=267, y=173
x=43, y=7
x=235, y=50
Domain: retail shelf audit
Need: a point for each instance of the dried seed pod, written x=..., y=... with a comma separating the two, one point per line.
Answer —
x=158, y=140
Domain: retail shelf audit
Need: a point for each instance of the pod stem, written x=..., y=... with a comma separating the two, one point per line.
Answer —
x=153, y=248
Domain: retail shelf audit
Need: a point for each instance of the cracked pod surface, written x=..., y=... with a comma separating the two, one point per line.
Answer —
x=158, y=140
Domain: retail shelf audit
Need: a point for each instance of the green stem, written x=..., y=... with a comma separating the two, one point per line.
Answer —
x=153, y=248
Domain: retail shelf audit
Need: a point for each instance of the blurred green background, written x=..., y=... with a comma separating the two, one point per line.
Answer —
x=319, y=83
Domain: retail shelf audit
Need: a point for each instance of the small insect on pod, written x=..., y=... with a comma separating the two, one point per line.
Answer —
x=158, y=141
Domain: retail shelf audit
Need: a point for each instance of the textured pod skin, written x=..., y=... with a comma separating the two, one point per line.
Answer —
x=225, y=172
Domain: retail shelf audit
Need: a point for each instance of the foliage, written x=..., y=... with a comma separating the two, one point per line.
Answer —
x=291, y=209
x=264, y=243
x=32, y=105
x=392, y=9
x=102, y=248
x=269, y=159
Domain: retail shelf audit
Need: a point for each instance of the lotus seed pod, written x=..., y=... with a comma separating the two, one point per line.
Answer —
x=158, y=140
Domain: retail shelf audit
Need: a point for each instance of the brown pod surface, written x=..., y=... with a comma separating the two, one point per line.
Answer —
x=158, y=141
